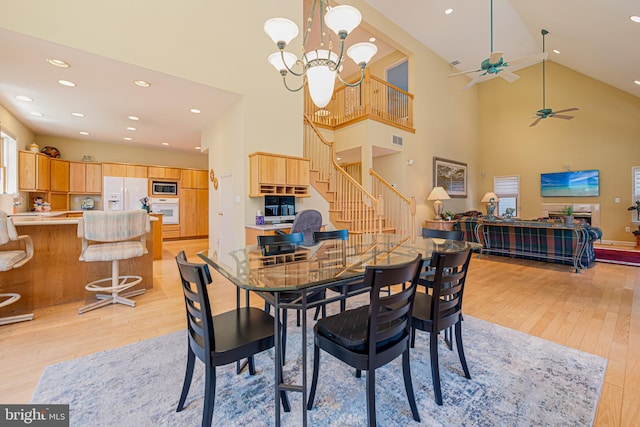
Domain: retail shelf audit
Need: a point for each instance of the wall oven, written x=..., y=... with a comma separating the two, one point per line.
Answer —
x=164, y=188
x=168, y=207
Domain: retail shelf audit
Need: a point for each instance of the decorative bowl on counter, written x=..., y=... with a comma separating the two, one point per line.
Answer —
x=87, y=204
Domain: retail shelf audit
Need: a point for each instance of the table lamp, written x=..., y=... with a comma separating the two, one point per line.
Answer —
x=490, y=199
x=436, y=194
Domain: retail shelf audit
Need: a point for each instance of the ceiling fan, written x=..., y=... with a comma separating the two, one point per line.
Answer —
x=496, y=65
x=548, y=112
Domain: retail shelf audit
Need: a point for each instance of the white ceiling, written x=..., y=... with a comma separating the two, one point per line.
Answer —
x=595, y=37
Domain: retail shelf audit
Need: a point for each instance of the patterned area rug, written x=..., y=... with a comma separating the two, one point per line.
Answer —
x=517, y=380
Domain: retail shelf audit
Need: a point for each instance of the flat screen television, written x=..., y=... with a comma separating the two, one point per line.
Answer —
x=570, y=184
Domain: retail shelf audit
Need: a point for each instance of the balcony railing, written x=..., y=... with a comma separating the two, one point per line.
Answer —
x=374, y=99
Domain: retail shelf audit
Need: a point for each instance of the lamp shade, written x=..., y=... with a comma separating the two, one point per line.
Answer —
x=281, y=30
x=361, y=53
x=342, y=18
x=275, y=59
x=488, y=196
x=320, y=77
x=438, y=193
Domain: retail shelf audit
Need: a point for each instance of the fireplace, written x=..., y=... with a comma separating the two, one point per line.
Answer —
x=584, y=211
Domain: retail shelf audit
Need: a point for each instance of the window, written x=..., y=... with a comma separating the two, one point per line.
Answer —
x=635, y=184
x=8, y=164
x=507, y=188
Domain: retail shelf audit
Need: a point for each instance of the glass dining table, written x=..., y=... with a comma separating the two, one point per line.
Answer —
x=306, y=270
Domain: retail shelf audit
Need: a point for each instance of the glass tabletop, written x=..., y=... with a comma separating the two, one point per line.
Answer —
x=329, y=261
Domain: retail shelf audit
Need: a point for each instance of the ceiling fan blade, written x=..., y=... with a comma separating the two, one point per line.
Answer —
x=525, y=61
x=535, y=122
x=465, y=72
x=495, y=57
x=473, y=81
x=567, y=109
x=560, y=116
x=508, y=75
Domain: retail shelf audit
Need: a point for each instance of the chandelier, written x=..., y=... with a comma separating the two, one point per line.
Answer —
x=319, y=66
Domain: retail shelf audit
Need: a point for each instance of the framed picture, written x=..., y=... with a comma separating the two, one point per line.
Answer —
x=450, y=175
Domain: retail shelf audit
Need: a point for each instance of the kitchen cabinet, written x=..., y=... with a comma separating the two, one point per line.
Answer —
x=34, y=171
x=124, y=170
x=195, y=178
x=194, y=212
x=278, y=175
x=85, y=178
x=59, y=176
x=173, y=174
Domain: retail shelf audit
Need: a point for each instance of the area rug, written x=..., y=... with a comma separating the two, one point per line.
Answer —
x=517, y=380
x=618, y=256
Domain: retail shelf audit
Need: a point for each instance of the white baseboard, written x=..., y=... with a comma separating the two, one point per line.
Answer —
x=615, y=242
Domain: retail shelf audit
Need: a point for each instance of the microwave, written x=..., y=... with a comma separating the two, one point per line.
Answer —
x=164, y=188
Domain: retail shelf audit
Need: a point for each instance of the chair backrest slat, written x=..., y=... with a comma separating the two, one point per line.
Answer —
x=448, y=287
x=443, y=234
x=280, y=243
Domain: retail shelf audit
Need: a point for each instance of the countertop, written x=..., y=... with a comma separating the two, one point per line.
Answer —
x=50, y=218
x=269, y=227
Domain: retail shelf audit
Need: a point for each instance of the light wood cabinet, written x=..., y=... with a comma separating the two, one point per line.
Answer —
x=278, y=175
x=194, y=178
x=59, y=175
x=194, y=212
x=164, y=173
x=59, y=201
x=114, y=169
x=85, y=178
x=34, y=171
x=136, y=171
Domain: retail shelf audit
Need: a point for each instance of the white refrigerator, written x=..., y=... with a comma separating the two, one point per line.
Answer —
x=123, y=194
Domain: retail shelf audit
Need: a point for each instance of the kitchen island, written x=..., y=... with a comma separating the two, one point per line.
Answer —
x=55, y=275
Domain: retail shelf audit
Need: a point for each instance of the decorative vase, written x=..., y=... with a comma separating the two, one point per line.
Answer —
x=568, y=219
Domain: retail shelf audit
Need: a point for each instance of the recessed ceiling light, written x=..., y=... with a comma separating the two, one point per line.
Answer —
x=58, y=63
x=131, y=128
x=141, y=83
x=35, y=113
x=448, y=11
x=195, y=110
x=134, y=118
x=126, y=138
x=165, y=143
x=84, y=133
x=197, y=148
x=637, y=82
x=556, y=51
x=24, y=98
x=77, y=114
x=66, y=83
x=338, y=158
x=372, y=39
x=635, y=18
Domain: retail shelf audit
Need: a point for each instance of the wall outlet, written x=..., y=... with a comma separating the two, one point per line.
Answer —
x=617, y=200
x=627, y=229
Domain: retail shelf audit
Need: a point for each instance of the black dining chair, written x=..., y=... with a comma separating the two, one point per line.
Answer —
x=442, y=309
x=373, y=335
x=281, y=244
x=339, y=255
x=221, y=339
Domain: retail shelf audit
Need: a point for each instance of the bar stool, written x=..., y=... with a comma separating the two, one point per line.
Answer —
x=113, y=236
x=13, y=259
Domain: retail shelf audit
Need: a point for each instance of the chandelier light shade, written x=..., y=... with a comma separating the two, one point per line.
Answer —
x=436, y=194
x=320, y=65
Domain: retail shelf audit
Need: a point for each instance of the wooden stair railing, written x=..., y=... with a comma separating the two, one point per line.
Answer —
x=351, y=205
x=398, y=210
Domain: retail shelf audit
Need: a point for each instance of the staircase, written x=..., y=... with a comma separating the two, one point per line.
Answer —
x=351, y=206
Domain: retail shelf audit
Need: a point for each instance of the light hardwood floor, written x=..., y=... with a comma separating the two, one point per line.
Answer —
x=597, y=311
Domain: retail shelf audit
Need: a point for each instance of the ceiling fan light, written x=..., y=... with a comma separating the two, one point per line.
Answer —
x=361, y=53
x=342, y=18
x=281, y=30
x=275, y=59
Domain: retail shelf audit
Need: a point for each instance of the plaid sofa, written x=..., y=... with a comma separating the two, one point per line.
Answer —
x=533, y=240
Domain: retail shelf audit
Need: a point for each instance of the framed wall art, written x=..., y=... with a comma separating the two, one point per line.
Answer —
x=450, y=175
